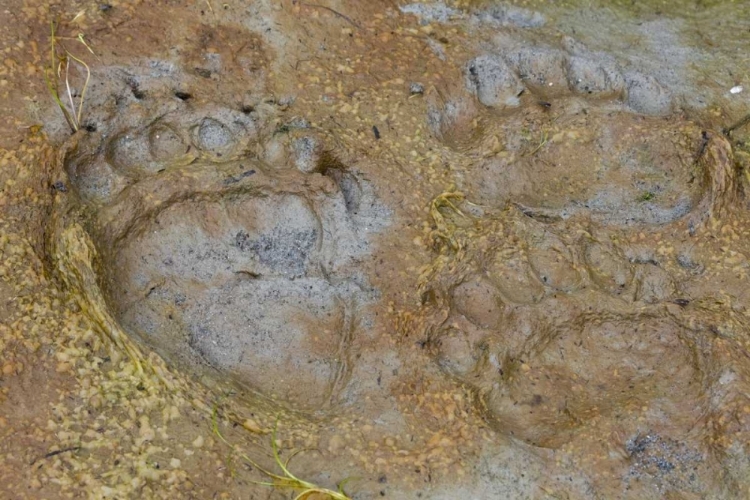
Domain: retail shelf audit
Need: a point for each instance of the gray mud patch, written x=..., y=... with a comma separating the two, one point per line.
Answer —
x=250, y=286
x=493, y=82
x=611, y=172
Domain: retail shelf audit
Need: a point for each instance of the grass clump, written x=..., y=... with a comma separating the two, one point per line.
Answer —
x=646, y=196
x=443, y=227
x=59, y=72
x=285, y=479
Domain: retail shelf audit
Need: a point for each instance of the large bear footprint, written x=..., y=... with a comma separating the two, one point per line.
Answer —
x=216, y=258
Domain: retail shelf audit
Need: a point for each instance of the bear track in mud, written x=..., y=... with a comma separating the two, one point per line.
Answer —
x=548, y=297
x=215, y=257
x=236, y=244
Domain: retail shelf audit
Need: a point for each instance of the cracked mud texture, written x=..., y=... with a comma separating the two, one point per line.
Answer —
x=452, y=249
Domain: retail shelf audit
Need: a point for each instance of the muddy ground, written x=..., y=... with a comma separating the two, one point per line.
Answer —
x=430, y=250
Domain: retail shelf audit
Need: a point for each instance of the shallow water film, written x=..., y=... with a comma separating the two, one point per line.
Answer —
x=375, y=249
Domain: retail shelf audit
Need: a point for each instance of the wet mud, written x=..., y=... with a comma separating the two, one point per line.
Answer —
x=446, y=250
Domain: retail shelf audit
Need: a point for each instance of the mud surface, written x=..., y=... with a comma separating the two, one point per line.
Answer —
x=445, y=250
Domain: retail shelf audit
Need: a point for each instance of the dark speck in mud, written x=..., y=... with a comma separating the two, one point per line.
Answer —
x=238, y=178
x=281, y=129
x=203, y=73
x=135, y=89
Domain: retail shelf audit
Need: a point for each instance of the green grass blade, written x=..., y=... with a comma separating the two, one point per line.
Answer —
x=85, y=85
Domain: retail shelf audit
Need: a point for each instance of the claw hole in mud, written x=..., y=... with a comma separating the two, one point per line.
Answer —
x=183, y=96
x=332, y=167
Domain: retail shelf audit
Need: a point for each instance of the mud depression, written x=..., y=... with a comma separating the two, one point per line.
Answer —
x=447, y=250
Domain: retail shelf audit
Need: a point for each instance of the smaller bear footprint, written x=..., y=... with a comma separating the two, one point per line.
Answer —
x=539, y=317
